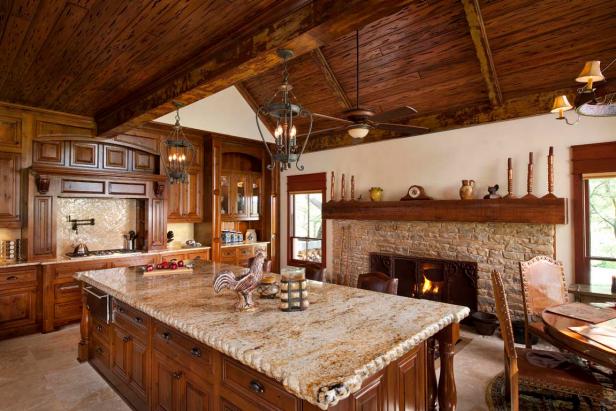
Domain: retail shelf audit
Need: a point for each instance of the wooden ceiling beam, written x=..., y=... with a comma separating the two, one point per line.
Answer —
x=530, y=105
x=254, y=105
x=245, y=55
x=482, y=48
x=331, y=80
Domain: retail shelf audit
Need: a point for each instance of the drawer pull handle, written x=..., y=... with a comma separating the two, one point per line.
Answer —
x=99, y=328
x=195, y=352
x=166, y=336
x=126, y=338
x=11, y=277
x=70, y=287
x=120, y=309
x=177, y=375
x=139, y=320
x=257, y=387
x=99, y=350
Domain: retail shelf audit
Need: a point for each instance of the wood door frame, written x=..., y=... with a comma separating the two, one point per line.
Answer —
x=586, y=159
x=315, y=182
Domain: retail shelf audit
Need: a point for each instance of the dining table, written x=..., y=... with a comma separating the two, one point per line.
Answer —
x=557, y=326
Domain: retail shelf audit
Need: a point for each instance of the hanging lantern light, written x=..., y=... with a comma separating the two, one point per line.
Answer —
x=284, y=109
x=177, y=153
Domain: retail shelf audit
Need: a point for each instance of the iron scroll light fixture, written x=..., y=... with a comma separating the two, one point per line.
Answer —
x=587, y=103
x=177, y=153
x=284, y=109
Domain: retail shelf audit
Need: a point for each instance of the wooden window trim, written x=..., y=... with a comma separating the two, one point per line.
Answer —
x=316, y=182
x=586, y=159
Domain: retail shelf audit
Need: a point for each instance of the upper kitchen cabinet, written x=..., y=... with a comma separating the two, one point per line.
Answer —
x=186, y=200
x=10, y=133
x=240, y=187
x=10, y=165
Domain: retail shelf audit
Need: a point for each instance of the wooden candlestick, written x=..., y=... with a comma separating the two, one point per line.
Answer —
x=529, y=179
x=509, y=180
x=342, y=189
x=352, y=188
x=550, y=193
x=332, y=192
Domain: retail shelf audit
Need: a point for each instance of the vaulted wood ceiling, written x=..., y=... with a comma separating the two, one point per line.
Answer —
x=458, y=62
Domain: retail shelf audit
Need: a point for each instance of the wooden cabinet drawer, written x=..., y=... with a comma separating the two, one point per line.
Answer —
x=134, y=261
x=228, y=253
x=10, y=277
x=67, y=311
x=204, y=255
x=257, y=387
x=134, y=321
x=245, y=252
x=183, y=349
x=100, y=330
x=68, y=270
x=174, y=256
x=67, y=291
x=17, y=307
x=99, y=353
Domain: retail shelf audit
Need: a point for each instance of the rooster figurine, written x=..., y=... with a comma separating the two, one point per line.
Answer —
x=243, y=286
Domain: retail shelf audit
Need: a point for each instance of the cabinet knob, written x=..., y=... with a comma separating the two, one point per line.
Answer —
x=98, y=350
x=257, y=387
x=166, y=336
x=99, y=328
x=126, y=338
x=120, y=309
x=177, y=375
x=139, y=320
x=195, y=352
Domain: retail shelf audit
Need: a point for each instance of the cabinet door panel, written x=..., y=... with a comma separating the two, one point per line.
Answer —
x=411, y=381
x=164, y=385
x=193, y=196
x=143, y=162
x=373, y=395
x=48, y=152
x=138, y=369
x=10, y=133
x=84, y=155
x=194, y=395
x=119, y=354
x=44, y=237
x=174, y=205
x=115, y=158
x=17, y=307
x=10, y=165
x=158, y=219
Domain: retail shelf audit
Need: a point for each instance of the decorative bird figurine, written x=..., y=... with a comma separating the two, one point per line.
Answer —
x=243, y=286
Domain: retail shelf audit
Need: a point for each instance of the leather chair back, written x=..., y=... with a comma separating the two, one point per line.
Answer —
x=376, y=281
x=543, y=284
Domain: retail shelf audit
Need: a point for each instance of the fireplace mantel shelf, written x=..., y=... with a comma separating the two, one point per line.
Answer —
x=530, y=211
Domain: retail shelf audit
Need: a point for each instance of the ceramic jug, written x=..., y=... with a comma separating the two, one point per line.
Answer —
x=376, y=193
x=466, y=191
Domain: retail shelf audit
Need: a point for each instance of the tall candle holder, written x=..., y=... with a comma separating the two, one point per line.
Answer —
x=352, y=188
x=332, y=185
x=530, y=179
x=550, y=193
x=509, y=180
x=342, y=189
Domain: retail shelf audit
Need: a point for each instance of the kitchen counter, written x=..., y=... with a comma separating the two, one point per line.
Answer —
x=244, y=243
x=321, y=355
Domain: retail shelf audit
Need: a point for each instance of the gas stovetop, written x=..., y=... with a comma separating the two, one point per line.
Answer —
x=98, y=253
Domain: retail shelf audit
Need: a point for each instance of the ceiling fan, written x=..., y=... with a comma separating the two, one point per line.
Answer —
x=359, y=120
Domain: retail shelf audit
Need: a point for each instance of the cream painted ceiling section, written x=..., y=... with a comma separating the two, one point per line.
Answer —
x=225, y=112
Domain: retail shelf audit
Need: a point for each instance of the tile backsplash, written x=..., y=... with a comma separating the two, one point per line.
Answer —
x=113, y=219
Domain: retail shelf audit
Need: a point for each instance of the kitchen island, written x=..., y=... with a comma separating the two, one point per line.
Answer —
x=174, y=344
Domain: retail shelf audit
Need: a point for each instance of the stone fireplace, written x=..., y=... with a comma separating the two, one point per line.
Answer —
x=499, y=246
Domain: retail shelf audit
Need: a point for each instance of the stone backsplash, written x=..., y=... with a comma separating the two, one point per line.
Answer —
x=499, y=246
x=113, y=219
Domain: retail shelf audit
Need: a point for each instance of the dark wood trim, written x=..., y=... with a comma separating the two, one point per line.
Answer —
x=304, y=183
x=331, y=80
x=529, y=211
x=586, y=159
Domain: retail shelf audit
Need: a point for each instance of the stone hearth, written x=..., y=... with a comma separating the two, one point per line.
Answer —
x=499, y=246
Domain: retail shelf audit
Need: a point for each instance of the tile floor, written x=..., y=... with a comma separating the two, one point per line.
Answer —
x=40, y=372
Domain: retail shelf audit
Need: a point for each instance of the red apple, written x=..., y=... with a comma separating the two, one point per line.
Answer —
x=181, y=263
x=149, y=267
x=174, y=266
x=165, y=265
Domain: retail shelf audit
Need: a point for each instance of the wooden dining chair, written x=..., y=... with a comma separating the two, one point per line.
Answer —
x=377, y=281
x=315, y=273
x=543, y=286
x=267, y=264
x=539, y=369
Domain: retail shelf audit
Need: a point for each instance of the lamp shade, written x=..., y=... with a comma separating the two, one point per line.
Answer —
x=561, y=104
x=358, y=130
x=591, y=72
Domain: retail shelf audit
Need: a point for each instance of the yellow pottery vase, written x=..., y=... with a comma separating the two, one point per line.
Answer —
x=466, y=191
x=376, y=193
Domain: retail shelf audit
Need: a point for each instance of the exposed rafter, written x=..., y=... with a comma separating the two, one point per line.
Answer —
x=482, y=48
x=331, y=80
x=530, y=105
x=249, y=98
x=244, y=56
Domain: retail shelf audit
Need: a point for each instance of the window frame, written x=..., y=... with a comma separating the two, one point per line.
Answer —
x=588, y=161
x=305, y=184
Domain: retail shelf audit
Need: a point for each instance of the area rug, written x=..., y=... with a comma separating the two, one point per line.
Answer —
x=539, y=400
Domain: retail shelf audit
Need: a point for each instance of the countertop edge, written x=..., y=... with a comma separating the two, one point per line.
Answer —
x=326, y=396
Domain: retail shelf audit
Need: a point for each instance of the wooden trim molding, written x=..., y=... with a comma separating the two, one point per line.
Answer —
x=586, y=159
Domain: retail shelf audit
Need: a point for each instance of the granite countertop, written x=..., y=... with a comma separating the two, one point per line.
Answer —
x=321, y=355
x=243, y=243
x=14, y=264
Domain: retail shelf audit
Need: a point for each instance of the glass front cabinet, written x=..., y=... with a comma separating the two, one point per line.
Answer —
x=240, y=195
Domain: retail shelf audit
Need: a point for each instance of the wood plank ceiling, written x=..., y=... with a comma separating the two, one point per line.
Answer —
x=458, y=62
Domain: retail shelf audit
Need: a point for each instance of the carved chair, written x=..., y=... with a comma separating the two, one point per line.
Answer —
x=316, y=273
x=544, y=370
x=267, y=264
x=379, y=282
x=543, y=286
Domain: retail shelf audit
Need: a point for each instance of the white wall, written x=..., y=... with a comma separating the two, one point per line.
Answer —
x=225, y=112
x=439, y=162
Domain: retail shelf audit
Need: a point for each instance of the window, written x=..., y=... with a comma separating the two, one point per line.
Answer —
x=594, y=212
x=306, y=228
x=602, y=228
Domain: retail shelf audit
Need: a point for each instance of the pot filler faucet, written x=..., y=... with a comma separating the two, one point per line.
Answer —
x=78, y=222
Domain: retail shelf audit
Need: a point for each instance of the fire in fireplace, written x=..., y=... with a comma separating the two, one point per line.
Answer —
x=434, y=279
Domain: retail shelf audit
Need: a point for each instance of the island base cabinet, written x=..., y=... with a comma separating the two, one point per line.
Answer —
x=129, y=364
x=175, y=388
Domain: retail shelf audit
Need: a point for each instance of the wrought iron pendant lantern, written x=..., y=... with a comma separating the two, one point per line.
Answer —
x=177, y=153
x=284, y=109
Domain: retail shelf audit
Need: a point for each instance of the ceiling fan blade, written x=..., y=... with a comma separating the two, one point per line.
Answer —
x=401, y=128
x=400, y=112
x=331, y=118
x=323, y=131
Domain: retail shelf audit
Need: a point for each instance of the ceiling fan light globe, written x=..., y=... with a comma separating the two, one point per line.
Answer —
x=358, y=131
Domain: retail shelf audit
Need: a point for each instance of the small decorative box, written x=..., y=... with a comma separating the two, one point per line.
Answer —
x=293, y=292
